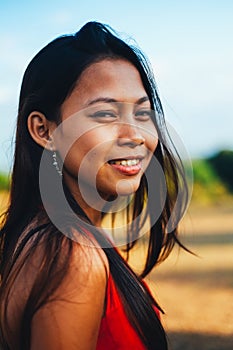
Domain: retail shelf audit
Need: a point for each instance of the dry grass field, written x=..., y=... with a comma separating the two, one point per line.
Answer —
x=3, y=200
x=196, y=292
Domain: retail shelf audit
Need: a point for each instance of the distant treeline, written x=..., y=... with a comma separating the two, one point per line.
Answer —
x=213, y=176
x=222, y=163
x=4, y=181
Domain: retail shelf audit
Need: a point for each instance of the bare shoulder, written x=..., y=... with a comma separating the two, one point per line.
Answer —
x=72, y=315
x=88, y=267
x=72, y=319
x=82, y=258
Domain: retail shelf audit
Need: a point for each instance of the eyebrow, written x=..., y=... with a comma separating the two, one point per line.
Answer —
x=112, y=100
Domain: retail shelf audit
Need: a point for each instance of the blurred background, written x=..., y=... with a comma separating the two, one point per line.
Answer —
x=189, y=45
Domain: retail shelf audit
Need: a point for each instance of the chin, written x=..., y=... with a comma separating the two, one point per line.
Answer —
x=126, y=187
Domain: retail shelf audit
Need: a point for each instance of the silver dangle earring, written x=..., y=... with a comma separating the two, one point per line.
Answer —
x=55, y=162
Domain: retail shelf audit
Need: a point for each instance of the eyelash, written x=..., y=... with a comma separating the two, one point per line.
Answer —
x=104, y=114
x=142, y=115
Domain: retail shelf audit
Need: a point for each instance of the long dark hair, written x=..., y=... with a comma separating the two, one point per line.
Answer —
x=48, y=80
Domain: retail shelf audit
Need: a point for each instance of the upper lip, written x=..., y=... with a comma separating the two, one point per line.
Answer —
x=139, y=156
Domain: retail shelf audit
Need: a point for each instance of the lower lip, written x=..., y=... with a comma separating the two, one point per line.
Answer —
x=128, y=170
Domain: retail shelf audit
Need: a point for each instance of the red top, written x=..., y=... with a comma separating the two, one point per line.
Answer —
x=116, y=332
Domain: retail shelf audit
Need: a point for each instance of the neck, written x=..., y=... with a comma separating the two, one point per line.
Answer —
x=87, y=200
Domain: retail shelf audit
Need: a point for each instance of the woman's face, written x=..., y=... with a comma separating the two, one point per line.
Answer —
x=107, y=136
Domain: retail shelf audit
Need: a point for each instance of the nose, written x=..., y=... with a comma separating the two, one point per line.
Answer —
x=130, y=135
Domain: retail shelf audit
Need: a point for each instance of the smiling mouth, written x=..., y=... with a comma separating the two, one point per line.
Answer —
x=131, y=166
x=125, y=162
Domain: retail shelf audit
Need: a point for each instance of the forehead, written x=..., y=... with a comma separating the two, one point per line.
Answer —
x=116, y=76
x=115, y=79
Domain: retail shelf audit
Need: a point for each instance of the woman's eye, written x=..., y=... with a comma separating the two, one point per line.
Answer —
x=143, y=115
x=104, y=115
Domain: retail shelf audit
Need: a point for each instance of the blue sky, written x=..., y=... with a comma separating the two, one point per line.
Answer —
x=189, y=44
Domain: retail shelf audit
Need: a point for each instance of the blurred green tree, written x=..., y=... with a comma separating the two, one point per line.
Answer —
x=222, y=162
x=207, y=187
x=4, y=182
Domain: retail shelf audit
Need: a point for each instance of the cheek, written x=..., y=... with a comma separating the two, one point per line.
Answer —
x=151, y=138
x=87, y=152
x=93, y=145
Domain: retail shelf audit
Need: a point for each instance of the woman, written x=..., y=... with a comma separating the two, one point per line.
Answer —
x=90, y=136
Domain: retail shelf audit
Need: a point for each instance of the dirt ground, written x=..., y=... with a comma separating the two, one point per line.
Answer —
x=196, y=292
x=3, y=200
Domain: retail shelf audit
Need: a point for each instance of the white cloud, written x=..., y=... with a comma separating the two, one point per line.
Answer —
x=60, y=17
x=196, y=92
x=6, y=95
x=196, y=80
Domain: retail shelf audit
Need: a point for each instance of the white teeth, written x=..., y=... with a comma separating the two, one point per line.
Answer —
x=126, y=162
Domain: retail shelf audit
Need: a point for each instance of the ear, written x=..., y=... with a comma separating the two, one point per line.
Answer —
x=40, y=128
